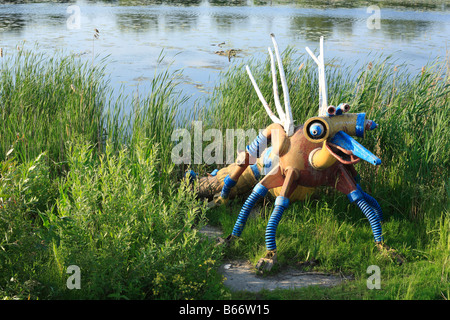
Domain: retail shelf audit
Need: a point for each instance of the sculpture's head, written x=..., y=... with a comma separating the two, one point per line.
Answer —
x=333, y=127
x=336, y=129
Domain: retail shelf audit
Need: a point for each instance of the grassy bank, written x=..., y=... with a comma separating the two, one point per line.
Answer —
x=81, y=185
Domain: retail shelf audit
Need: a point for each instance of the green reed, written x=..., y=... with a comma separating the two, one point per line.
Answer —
x=47, y=100
x=87, y=179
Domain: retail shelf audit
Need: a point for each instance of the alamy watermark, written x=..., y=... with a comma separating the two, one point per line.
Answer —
x=74, y=19
x=374, y=280
x=374, y=21
x=74, y=280
x=190, y=150
x=212, y=146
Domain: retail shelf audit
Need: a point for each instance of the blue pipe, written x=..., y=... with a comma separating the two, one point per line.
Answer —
x=357, y=196
x=259, y=191
x=228, y=183
x=345, y=141
x=255, y=171
x=281, y=204
x=372, y=202
x=372, y=217
x=258, y=145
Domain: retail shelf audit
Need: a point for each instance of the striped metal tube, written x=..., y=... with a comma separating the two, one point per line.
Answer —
x=259, y=191
x=258, y=145
x=372, y=202
x=281, y=204
x=372, y=216
x=228, y=183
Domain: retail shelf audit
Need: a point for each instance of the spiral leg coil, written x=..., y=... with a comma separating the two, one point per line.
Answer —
x=228, y=183
x=257, y=146
x=281, y=204
x=373, y=218
x=259, y=191
x=372, y=202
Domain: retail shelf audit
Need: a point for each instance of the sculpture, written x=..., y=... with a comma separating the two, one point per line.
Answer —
x=321, y=152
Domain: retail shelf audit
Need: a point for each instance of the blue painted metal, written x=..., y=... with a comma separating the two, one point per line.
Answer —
x=191, y=174
x=316, y=130
x=372, y=202
x=373, y=218
x=355, y=196
x=347, y=142
x=360, y=121
x=267, y=161
x=259, y=191
x=281, y=204
x=257, y=146
x=255, y=170
x=373, y=125
x=228, y=183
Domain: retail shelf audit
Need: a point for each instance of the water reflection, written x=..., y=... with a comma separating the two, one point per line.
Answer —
x=12, y=22
x=136, y=22
x=405, y=30
x=228, y=2
x=229, y=22
x=410, y=5
x=186, y=3
x=180, y=21
x=312, y=27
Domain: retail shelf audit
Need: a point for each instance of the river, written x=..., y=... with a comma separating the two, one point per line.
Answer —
x=191, y=33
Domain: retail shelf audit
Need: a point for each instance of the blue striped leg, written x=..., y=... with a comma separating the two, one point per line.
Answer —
x=372, y=202
x=256, y=148
x=266, y=263
x=259, y=191
x=228, y=184
x=281, y=204
x=374, y=219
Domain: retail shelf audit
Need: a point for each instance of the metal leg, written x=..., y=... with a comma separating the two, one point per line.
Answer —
x=259, y=191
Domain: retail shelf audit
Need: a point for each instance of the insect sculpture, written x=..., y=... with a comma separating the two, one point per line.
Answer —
x=321, y=152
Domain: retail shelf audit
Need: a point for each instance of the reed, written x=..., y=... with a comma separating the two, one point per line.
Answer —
x=47, y=100
x=85, y=182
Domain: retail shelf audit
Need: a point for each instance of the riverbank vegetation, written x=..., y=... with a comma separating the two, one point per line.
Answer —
x=84, y=182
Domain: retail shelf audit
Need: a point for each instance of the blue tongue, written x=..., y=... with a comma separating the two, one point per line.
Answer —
x=348, y=143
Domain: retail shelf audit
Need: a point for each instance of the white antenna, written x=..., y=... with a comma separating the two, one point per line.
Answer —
x=323, y=100
x=285, y=119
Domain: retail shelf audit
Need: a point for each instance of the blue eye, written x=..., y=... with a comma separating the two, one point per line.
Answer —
x=316, y=130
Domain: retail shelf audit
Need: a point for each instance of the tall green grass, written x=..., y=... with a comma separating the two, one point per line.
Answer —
x=85, y=183
x=47, y=100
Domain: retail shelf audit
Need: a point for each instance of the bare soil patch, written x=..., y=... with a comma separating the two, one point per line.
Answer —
x=240, y=275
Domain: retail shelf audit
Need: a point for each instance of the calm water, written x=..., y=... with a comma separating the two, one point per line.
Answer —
x=134, y=34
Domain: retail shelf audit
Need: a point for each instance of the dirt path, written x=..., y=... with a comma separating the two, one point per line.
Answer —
x=241, y=276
